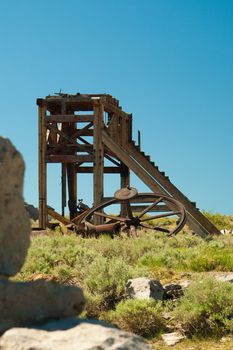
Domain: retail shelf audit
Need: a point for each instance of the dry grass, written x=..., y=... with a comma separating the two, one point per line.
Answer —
x=224, y=344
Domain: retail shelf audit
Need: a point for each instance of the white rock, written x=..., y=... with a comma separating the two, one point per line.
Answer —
x=172, y=338
x=14, y=221
x=225, y=277
x=82, y=336
x=226, y=231
x=144, y=288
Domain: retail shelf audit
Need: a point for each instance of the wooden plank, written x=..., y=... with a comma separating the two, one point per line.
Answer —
x=59, y=158
x=71, y=173
x=72, y=190
x=77, y=147
x=125, y=181
x=82, y=132
x=63, y=188
x=42, y=167
x=90, y=170
x=98, y=181
x=69, y=118
x=55, y=215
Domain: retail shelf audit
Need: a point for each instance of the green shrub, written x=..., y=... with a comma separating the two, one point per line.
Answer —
x=107, y=278
x=206, y=308
x=142, y=317
x=206, y=256
x=94, y=306
x=219, y=220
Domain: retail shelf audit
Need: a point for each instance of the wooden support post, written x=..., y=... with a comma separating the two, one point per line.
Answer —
x=42, y=167
x=125, y=181
x=63, y=188
x=71, y=167
x=72, y=190
x=98, y=186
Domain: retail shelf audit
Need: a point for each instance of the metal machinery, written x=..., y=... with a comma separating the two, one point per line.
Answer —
x=91, y=134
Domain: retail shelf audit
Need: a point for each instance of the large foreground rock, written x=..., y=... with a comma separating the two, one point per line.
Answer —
x=144, y=288
x=23, y=304
x=71, y=335
x=14, y=221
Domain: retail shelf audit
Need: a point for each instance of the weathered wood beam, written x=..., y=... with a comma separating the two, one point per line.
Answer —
x=63, y=188
x=98, y=182
x=55, y=215
x=125, y=181
x=90, y=170
x=83, y=132
x=59, y=158
x=63, y=146
x=42, y=167
x=69, y=118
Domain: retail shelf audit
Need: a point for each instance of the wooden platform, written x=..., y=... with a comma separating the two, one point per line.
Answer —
x=82, y=132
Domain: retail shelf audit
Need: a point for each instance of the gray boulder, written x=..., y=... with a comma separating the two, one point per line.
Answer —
x=71, y=334
x=14, y=221
x=144, y=288
x=23, y=304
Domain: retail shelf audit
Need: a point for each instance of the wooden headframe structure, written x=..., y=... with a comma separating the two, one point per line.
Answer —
x=82, y=131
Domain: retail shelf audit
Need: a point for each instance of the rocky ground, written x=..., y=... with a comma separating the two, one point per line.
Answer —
x=29, y=305
x=171, y=292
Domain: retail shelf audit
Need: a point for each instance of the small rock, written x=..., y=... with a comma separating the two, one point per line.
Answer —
x=226, y=232
x=14, y=220
x=144, y=288
x=225, y=278
x=72, y=335
x=226, y=339
x=23, y=304
x=172, y=338
x=173, y=291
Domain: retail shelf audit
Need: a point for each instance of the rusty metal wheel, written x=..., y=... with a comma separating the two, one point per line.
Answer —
x=164, y=206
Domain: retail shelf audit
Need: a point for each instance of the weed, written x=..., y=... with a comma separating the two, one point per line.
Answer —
x=206, y=308
x=143, y=317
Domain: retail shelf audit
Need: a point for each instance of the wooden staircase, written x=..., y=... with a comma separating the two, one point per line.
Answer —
x=157, y=181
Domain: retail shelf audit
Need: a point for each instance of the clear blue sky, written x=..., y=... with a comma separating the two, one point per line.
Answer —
x=169, y=62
